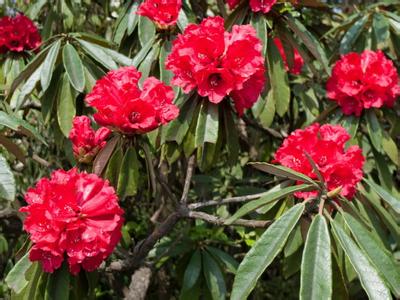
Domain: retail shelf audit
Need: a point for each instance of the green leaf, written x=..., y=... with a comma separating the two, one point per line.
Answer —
x=374, y=129
x=104, y=155
x=98, y=54
x=390, y=147
x=142, y=54
x=214, y=278
x=379, y=256
x=28, y=87
x=282, y=171
x=369, y=277
x=267, y=199
x=207, y=124
x=316, y=264
x=73, y=66
x=268, y=113
x=278, y=77
x=129, y=174
x=263, y=252
x=113, y=167
x=230, y=263
x=58, y=284
x=16, y=279
x=350, y=123
x=147, y=64
x=385, y=195
x=352, y=34
x=380, y=26
x=66, y=107
x=147, y=30
x=182, y=21
x=258, y=22
x=32, y=276
x=48, y=65
x=7, y=181
x=192, y=271
x=133, y=18
x=165, y=75
x=232, y=137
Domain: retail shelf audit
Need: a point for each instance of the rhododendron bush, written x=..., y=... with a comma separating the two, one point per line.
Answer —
x=180, y=149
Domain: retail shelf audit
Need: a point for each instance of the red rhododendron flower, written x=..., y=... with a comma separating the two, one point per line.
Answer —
x=86, y=142
x=75, y=216
x=325, y=144
x=121, y=105
x=18, y=34
x=255, y=5
x=298, y=61
x=362, y=81
x=162, y=12
x=219, y=63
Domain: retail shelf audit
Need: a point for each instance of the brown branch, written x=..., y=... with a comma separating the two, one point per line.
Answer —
x=221, y=222
x=8, y=213
x=188, y=179
x=239, y=199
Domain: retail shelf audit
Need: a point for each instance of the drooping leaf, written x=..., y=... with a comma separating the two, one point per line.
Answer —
x=98, y=54
x=368, y=275
x=207, y=124
x=374, y=129
x=263, y=252
x=58, y=284
x=380, y=26
x=102, y=158
x=7, y=181
x=73, y=66
x=385, y=195
x=192, y=271
x=49, y=64
x=379, y=256
x=316, y=264
x=230, y=263
x=147, y=30
x=214, y=278
x=66, y=106
x=16, y=279
x=391, y=149
x=352, y=34
x=129, y=174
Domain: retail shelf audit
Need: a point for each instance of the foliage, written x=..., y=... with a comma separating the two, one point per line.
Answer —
x=205, y=209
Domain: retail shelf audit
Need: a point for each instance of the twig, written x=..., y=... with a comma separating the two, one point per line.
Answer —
x=239, y=199
x=188, y=179
x=321, y=205
x=7, y=213
x=221, y=222
x=41, y=161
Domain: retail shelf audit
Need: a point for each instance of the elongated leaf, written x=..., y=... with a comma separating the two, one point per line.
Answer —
x=279, y=80
x=282, y=171
x=66, y=107
x=385, y=195
x=182, y=21
x=147, y=64
x=73, y=66
x=98, y=54
x=133, y=18
x=48, y=65
x=192, y=271
x=147, y=30
x=368, y=275
x=351, y=123
x=207, y=124
x=104, y=155
x=28, y=87
x=268, y=112
x=263, y=252
x=267, y=199
x=33, y=277
x=58, y=285
x=380, y=25
x=316, y=264
x=129, y=174
x=374, y=129
x=7, y=181
x=230, y=263
x=352, y=34
x=16, y=279
x=136, y=61
x=390, y=147
x=214, y=278
x=379, y=256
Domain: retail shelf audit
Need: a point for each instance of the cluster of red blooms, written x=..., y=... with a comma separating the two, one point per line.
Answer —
x=219, y=63
x=75, y=216
x=255, y=5
x=325, y=144
x=298, y=61
x=18, y=34
x=121, y=105
x=362, y=81
x=86, y=142
x=163, y=12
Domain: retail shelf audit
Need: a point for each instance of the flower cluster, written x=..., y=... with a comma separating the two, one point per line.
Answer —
x=255, y=5
x=325, y=144
x=121, y=105
x=18, y=34
x=219, y=63
x=163, y=12
x=86, y=142
x=362, y=81
x=75, y=216
x=298, y=61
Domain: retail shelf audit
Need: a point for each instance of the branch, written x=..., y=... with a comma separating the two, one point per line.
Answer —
x=239, y=199
x=8, y=213
x=221, y=222
x=188, y=179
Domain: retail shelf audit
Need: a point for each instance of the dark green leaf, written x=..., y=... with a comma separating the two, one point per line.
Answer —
x=379, y=256
x=368, y=275
x=58, y=284
x=133, y=18
x=104, y=155
x=230, y=263
x=73, y=66
x=98, y=54
x=380, y=25
x=316, y=265
x=66, y=106
x=142, y=54
x=129, y=174
x=214, y=277
x=207, y=124
x=352, y=34
x=147, y=30
x=385, y=195
x=374, y=129
x=390, y=147
x=192, y=271
x=263, y=252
